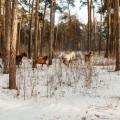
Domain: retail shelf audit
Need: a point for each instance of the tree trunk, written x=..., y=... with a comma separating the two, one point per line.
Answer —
x=114, y=25
x=7, y=35
x=39, y=38
x=0, y=30
x=89, y=25
x=108, y=28
x=69, y=25
x=100, y=41
x=30, y=34
x=117, y=36
x=18, y=39
x=52, y=17
x=0, y=7
x=3, y=36
x=12, y=75
x=36, y=31
x=43, y=28
x=94, y=30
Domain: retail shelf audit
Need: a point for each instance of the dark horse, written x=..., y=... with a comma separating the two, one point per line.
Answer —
x=19, y=58
x=1, y=55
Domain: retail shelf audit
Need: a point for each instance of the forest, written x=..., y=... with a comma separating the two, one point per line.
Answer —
x=53, y=64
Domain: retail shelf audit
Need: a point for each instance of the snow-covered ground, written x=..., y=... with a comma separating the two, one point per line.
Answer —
x=59, y=92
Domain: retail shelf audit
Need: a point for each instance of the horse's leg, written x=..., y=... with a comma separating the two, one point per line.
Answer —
x=1, y=66
x=47, y=65
x=34, y=65
x=65, y=62
x=42, y=67
x=68, y=64
x=18, y=64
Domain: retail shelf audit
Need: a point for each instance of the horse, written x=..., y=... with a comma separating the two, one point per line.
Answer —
x=19, y=58
x=67, y=58
x=1, y=55
x=42, y=61
x=88, y=57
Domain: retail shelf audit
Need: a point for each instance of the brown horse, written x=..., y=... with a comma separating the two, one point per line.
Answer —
x=1, y=55
x=40, y=61
x=88, y=57
x=19, y=58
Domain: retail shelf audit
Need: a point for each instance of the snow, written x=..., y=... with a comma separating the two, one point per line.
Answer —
x=59, y=92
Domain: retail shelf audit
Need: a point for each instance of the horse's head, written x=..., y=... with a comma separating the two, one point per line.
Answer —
x=72, y=55
x=45, y=57
x=88, y=57
x=90, y=53
x=24, y=54
x=64, y=59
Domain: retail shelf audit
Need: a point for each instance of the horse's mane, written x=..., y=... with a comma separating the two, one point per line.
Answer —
x=45, y=57
x=24, y=54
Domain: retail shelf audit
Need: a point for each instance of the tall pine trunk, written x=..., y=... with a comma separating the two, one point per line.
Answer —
x=43, y=28
x=108, y=28
x=100, y=41
x=114, y=26
x=12, y=75
x=18, y=39
x=89, y=25
x=52, y=17
x=30, y=34
x=0, y=7
x=7, y=35
x=36, y=31
x=117, y=36
x=94, y=30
